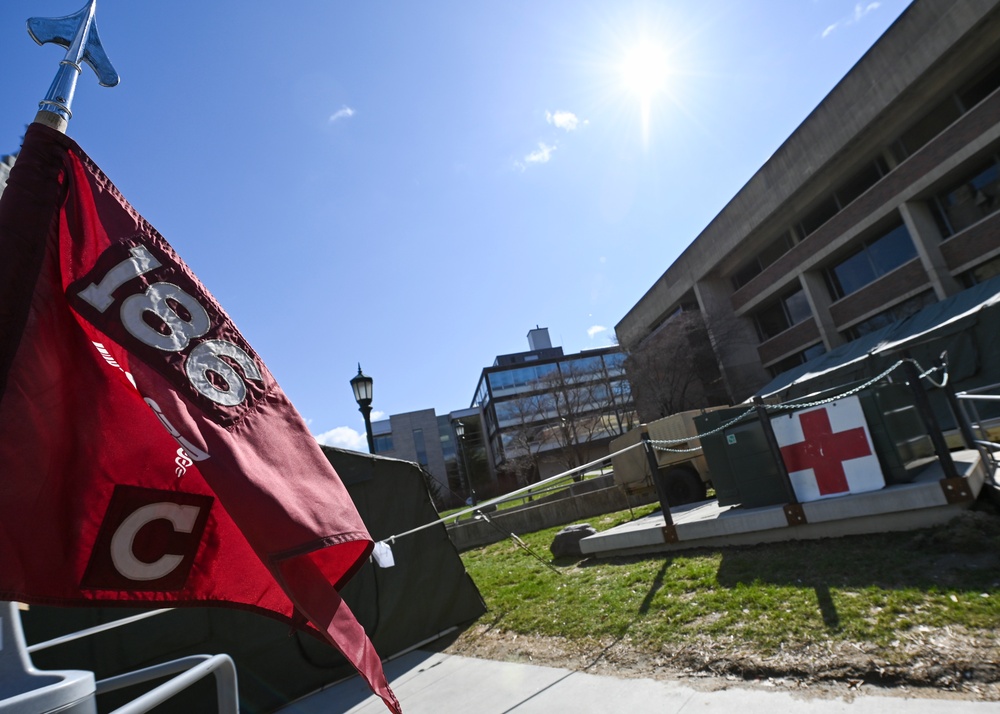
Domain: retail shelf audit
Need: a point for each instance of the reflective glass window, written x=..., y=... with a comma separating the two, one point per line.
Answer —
x=970, y=200
x=774, y=319
x=875, y=258
x=420, y=446
x=797, y=307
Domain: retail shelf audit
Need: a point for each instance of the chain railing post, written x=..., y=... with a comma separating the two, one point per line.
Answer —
x=669, y=531
x=794, y=514
x=923, y=405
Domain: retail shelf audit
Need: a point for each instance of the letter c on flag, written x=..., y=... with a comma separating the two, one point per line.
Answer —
x=182, y=518
x=125, y=555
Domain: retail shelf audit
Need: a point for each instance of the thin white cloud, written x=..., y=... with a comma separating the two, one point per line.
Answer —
x=345, y=112
x=376, y=415
x=563, y=120
x=860, y=11
x=343, y=437
x=540, y=155
x=594, y=331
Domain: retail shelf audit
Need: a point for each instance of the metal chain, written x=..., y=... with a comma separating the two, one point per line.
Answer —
x=658, y=444
x=676, y=451
x=828, y=400
x=717, y=430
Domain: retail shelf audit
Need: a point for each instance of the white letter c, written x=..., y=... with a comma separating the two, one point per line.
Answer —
x=182, y=518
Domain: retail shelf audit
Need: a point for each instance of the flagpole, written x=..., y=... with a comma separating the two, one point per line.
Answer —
x=78, y=34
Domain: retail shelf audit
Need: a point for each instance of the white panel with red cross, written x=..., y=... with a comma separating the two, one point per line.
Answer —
x=828, y=450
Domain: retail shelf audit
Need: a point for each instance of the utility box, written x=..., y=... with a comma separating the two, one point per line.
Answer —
x=740, y=461
x=900, y=436
x=743, y=468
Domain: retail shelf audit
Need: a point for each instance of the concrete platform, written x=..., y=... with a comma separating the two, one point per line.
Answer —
x=926, y=501
x=435, y=683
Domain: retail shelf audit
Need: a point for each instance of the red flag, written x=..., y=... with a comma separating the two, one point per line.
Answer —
x=147, y=453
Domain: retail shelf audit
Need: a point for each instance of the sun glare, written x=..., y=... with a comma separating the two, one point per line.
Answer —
x=645, y=69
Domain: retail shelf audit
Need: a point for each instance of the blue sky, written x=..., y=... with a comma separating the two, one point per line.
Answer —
x=414, y=186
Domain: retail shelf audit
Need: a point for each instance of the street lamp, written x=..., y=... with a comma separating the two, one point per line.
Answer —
x=460, y=433
x=362, y=386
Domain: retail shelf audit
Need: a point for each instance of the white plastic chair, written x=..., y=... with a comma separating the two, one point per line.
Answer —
x=26, y=690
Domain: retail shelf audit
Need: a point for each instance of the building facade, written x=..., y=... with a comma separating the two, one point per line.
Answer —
x=456, y=463
x=544, y=412
x=884, y=200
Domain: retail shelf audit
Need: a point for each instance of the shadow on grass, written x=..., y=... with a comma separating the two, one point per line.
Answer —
x=655, y=587
x=963, y=556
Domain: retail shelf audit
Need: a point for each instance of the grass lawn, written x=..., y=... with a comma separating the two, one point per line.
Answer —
x=867, y=589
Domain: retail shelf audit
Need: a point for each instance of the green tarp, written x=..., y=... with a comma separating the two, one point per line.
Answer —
x=966, y=326
x=427, y=592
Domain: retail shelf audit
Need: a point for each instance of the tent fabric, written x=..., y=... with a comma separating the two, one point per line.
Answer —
x=427, y=592
x=956, y=325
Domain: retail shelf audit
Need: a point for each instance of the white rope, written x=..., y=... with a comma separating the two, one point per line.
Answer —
x=510, y=496
x=658, y=444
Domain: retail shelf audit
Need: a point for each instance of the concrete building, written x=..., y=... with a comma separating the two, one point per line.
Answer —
x=885, y=199
x=430, y=439
x=544, y=412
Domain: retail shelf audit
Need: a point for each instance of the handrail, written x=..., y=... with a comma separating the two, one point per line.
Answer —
x=191, y=669
x=966, y=402
x=80, y=634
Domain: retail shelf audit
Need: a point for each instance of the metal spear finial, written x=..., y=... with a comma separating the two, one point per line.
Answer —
x=78, y=34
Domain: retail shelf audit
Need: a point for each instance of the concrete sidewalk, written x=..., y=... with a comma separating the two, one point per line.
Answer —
x=435, y=683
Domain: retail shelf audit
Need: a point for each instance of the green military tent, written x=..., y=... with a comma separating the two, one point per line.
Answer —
x=965, y=327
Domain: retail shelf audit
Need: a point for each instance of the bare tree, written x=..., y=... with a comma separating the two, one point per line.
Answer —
x=567, y=410
x=675, y=369
x=521, y=438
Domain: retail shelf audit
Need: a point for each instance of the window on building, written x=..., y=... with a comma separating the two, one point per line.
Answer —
x=885, y=318
x=482, y=394
x=796, y=359
x=981, y=87
x=820, y=214
x=516, y=379
x=875, y=258
x=777, y=317
x=445, y=431
x=615, y=362
x=770, y=253
x=420, y=446
x=981, y=273
x=860, y=182
x=968, y=200
x=948, y=110
x=383, y=443
x=583, y=369
x=933, y=123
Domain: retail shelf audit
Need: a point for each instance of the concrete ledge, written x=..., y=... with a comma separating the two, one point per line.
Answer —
x=545, y=514
x=919, y=504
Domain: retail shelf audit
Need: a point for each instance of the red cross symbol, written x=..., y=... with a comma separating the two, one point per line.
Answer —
x=825, y=452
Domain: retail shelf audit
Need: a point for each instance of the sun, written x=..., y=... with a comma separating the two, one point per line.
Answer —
x=645, y=69
x=645, y=73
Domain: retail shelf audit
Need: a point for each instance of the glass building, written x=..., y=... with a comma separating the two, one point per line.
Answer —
x=544, y=412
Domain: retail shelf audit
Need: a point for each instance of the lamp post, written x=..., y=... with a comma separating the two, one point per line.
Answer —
x=362, y=386
x=460, y=433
